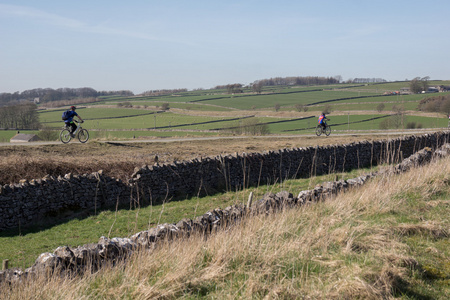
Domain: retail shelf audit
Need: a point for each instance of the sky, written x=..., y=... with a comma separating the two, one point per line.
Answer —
x=147, y=45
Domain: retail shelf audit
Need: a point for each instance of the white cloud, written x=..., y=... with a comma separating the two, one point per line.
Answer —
x=73, y=24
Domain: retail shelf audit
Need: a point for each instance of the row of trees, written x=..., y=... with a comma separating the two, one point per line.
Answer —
x=368, y=80
x=258, y=85
x=309, y=80
x=234, y=88
x=50, y=95
x=22, y=116
x=163, y=92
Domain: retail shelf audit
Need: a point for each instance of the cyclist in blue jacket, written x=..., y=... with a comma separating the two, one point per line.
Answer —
x=69, y=121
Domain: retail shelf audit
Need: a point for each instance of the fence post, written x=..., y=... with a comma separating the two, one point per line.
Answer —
x=5, y=264
x=250, y=199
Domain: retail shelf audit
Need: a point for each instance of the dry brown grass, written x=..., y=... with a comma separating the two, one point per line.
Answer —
x=351, y=247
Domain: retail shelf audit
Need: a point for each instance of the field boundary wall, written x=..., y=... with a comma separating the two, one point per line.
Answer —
x=31, y=202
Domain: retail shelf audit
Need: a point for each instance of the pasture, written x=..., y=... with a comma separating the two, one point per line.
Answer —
x=282, y=109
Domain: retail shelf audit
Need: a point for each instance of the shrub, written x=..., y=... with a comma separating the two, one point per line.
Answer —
x=251, y=126
x=126, y=104
x=277, y=107
x=48, y=134
x=165, y=106
x=436, y=104
x=380, y=107
x=299, y=107
x=385, y=124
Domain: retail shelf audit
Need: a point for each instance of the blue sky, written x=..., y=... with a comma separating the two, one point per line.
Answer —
x=142, y=45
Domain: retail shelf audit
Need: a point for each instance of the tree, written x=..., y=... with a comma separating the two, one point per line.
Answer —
x=234, y=88
x=425, y=83
x=327, y=109
x=19, y=116
x=380, y=107
x=418, y=84
x=257, y=87
x=299, y=107
x=165, y=106
x=277, y=107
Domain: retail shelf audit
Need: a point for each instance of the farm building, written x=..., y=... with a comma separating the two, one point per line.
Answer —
x=24, y=138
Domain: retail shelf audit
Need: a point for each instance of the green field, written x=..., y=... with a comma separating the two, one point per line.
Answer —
x=349, y=105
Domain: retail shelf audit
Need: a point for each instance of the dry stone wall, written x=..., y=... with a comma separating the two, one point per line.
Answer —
x=91, y=257
x=28, y=202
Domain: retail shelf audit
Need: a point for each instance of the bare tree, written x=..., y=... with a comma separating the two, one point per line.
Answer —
x=380, y=107
x=277, y=107
x=257, y=87
x=19, y=116
x=299, y=107
x=165, y=106
x=327, y=109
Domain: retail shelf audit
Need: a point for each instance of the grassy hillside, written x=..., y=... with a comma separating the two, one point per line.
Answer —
x=388, y=239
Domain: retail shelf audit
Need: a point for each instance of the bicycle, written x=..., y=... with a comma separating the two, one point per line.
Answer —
x=320, y=130
x=82, y=134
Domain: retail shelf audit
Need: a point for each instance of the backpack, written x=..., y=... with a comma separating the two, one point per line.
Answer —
x=65, y=115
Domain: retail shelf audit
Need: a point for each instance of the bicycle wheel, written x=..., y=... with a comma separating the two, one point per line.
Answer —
x=83, y=136
x=328, y=131
x=318, y=130
x=64, y=136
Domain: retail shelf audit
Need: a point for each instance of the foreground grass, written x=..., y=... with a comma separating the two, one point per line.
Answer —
x=388, y=239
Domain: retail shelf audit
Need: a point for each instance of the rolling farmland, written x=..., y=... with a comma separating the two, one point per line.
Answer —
x=282, y=110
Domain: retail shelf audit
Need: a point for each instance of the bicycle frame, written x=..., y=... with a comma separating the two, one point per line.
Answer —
x=82, y=134
x=321, y=130
x=78, y=128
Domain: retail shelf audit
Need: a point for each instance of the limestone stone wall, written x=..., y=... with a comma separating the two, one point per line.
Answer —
x=206, y=176
x=28, y=202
